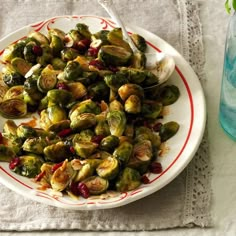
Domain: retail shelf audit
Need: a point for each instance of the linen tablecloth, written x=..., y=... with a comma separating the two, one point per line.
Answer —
x=185, y=202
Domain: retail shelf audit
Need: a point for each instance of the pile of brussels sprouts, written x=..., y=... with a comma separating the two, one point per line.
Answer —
x=99, y=128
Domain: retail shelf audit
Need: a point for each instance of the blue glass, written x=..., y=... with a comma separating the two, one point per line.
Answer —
x=227, y=112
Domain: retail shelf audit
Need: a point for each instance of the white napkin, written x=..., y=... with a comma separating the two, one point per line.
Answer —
x=186, y=200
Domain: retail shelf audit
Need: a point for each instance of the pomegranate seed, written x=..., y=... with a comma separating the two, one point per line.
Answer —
x=14, y=163
x=85, y=42
x=146, y=124
x=64, y=132
x=72, y=150
x=93, y=52
x=157, y=127
x=74, y=188
x=113, y=69
x=62, y=85
x=40, y=176
x=83, y=189
x=145, y=179
x=97, y=138
x=56, y=166
x=98, y=64
x=155, y=167
x=37, y=50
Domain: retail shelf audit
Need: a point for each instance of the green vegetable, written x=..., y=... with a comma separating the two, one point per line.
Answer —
x=117, y=122
x=13, y=108
x=108, y=169
x=96, y=184
x=29, y=166
x=114, y=55
x=168, y=130
x=6, y=153
x=128, y=180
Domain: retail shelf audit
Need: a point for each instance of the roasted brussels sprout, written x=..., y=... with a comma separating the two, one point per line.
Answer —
x=29, y=165
x=99, y=90
x=52, y=115
x=59, y=126
x=14, y=92
x=69, y=54
x=130, y=89
x=83, y=30
x=11, y=77
x=28, y=52
x=13, y=108
x=84, y=149
x=151, y=109
x=139, y=41
x=31, y=88
x=138, y=60
x=168, y=130
x=109, y=143
x=59, y=96
x=47, y=79
x=58, y=63
x=142, y=156
x=114, y=55
x=102, y=35
x=62, y=176
x=86, y=106
x=77, y=89
x=34, y=145
x=168, y=94
x=57, y=152
x=108, y=169
x=102, y=127
x=114, y=81
x=84, y=135
x=26, y=131
x=56, y=44
x=59, y=33
x=96, y=184
x=133, y=104
x=128, y=180
x=46, y=56
x=83, y=121
x=6, y=153
x=123, y=152
x=72, y=70
x=115, y=37
x=9, y=129
x=14, y=50
x=39, y=37
x=117, y=122
x=115, y=105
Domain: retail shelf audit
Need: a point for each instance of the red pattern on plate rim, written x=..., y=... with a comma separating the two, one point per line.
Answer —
x=107, y=23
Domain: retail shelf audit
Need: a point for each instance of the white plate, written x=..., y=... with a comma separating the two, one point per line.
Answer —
x=189, y=111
